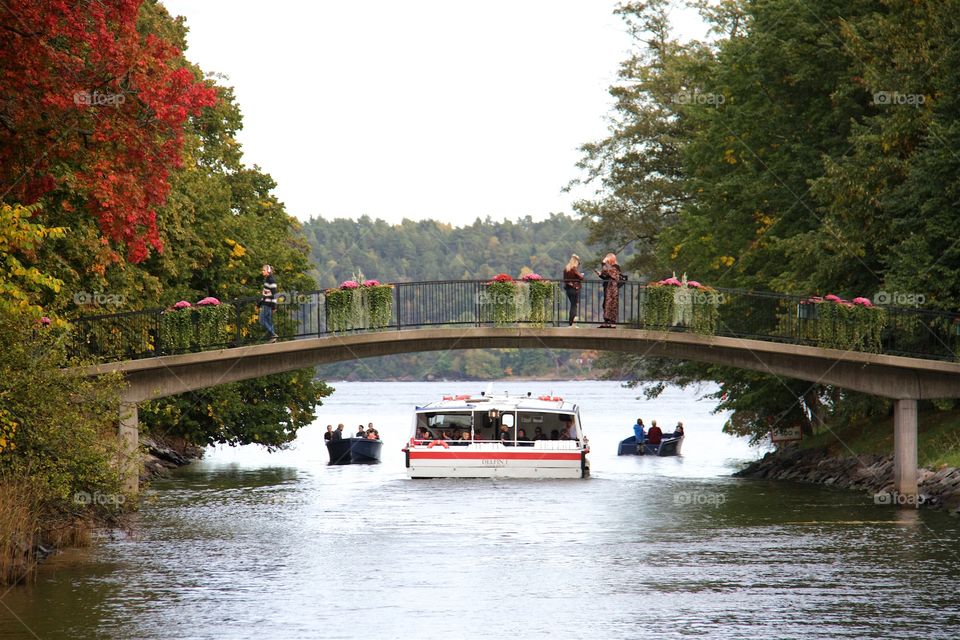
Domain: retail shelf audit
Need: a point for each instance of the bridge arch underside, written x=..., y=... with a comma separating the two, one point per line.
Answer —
x=881, y=375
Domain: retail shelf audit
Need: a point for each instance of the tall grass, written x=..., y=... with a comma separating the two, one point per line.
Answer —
x=19, y=530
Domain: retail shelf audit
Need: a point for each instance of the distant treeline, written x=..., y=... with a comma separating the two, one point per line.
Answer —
x=430, y=250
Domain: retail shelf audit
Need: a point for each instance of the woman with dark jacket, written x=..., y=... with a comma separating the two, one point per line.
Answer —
x=611, y=275
x=572, y=281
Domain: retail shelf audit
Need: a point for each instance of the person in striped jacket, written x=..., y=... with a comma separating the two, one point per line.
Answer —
x=268, y=302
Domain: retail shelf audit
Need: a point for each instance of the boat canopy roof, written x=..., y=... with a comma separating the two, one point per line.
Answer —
x=504, y=402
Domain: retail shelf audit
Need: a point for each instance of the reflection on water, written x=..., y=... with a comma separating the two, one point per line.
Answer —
x=248, y=545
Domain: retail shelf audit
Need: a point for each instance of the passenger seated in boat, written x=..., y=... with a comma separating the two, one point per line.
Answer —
x=361, y=432
x=505, y=438
x=538, y=434
x=461, y=438
x=522, y=438
x=678, y=430
x=372, y=434
x=654, y=435
x=446, y=436
x=425, y=434
x=555, y=434
x=639, y=431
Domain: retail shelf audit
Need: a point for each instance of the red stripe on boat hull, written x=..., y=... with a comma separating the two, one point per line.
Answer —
x=491, y=455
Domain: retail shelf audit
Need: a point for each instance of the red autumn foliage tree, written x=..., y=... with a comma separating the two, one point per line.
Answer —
x=92, y=114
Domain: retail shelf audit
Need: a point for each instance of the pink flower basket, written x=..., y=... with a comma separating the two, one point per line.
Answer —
x=209, y=300
x=350, y=284
x=183, y=304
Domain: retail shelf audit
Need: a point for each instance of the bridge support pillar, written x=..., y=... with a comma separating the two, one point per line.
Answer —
x=129, y=433
x=905, y=450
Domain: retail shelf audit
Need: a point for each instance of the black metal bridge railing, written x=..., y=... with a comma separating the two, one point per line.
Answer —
x=468, y=303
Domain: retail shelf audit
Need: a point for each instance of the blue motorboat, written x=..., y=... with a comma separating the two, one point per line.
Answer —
x=669, y=446
x=354, y=451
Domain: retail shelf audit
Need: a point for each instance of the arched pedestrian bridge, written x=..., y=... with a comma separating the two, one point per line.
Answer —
x=903, y=354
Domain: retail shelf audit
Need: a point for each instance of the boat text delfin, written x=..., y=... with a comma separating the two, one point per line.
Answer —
x=497, y=436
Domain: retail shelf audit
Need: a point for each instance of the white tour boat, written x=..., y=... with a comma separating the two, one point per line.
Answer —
x=497, y=436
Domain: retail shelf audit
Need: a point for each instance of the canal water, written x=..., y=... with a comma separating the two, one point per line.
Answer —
x=247, y=544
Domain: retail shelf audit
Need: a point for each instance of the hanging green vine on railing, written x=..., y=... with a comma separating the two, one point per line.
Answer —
x=364, y=304
x=706, y=311
x=855, y=325
x=186, y=327
x=500, y=300
x=658, y=306
x=541, y=295
x=681, y=303
x=379, y=302
x=338, y=309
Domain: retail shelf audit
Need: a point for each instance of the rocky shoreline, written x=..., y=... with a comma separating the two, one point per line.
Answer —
x=162, y=456
x=938, y=489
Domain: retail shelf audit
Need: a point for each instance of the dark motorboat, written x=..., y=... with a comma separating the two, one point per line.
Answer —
x=669, y=446
x=354, y=451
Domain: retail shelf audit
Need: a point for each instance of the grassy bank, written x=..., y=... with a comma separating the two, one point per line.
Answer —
x=61, y=463
x=938, y=438
x=31, y=530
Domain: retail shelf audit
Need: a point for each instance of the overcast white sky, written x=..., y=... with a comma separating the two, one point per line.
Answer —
x=416, y=109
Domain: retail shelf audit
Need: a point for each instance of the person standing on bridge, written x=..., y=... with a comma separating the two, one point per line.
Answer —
x=572, y=282
x=268, y=302
x=613, y=279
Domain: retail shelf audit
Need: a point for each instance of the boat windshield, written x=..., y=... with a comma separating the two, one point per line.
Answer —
x=552, y=426
x=438, y=422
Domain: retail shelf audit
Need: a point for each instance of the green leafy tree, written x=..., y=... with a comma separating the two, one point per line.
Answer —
x=219, y=222
x=266, y=411
x=776, y=175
